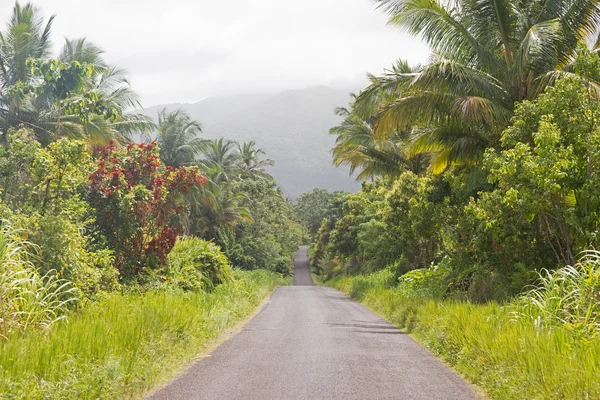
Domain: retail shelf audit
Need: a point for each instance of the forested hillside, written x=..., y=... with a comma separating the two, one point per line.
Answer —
x=291, y=126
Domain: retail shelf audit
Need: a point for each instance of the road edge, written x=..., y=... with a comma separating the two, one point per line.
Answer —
x=209, y=347
x=477, y=390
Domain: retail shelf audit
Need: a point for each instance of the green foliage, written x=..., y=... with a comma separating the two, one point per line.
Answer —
x=511, y=358
x=16, y=158
x=273, y=237
x=567, y=298
x=313, y=206
x=95, y=275
x=27, y=299
x=178, y=138
x=126, y=344
x=194, y=265
x=399, y=226
x=543, y=209
x=486, y=57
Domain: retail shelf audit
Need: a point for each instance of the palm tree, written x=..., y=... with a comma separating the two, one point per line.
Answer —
x=216, y=208
x=251, y=162
x=178, y=138
x=487, y=55
x=357, y=148
x=26, y=37
x=220, y=160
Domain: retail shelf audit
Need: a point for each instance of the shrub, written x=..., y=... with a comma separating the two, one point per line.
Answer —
x=96, y=275
x=430, y=283
x=138, y=203
x=194, y=264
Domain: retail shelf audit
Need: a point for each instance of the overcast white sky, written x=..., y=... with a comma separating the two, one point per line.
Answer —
x=187, y=50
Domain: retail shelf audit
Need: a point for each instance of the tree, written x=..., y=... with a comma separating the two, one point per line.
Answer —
x=139, y=203
x=251, y=162
x=312, y=207
x=357, y=147
x=487, y=55
x=215, y=207
x=178, y=138
x=220, y=160
x=95, y=106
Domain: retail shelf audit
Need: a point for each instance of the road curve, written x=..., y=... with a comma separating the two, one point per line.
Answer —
x=313, y=342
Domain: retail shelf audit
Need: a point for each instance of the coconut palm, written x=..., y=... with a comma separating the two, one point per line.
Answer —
x=487, y=55
x=27, y=37
x=251, y=162
x=216, y=207
x=357, y=148
x=220, y=160
x=178, y=138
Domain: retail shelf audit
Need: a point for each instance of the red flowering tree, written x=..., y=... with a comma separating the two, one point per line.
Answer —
x=139, y=203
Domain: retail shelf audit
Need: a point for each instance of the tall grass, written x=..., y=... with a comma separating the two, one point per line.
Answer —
x=568, y=297
x=27, y=300
x=511, y=358
x=125, y=344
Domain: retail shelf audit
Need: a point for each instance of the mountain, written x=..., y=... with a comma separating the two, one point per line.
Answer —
x=291, y=126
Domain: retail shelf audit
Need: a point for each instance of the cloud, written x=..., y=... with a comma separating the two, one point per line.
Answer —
x=186, y=50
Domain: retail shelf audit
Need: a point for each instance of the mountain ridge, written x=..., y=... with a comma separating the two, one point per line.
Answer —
x=292, y=126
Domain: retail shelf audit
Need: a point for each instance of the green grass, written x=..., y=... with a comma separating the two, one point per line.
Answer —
x=509, y=357
x=126, y=344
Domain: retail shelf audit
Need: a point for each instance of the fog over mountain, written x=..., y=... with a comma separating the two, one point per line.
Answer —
x=292, y=127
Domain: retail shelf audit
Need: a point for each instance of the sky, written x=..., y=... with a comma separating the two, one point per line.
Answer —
x=182, y=51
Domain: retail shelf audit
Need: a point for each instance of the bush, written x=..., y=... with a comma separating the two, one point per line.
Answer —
x=139, y=203
x=194, y=264
x=430, y=283
x=96, y=275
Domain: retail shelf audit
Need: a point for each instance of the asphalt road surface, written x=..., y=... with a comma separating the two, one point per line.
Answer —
x=313, y=342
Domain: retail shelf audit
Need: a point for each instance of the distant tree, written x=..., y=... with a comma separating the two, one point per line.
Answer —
x=221, y=160
x=251, y=163
x=216, y=207
x=312, y=207
x=357, y=147
x=178, y=138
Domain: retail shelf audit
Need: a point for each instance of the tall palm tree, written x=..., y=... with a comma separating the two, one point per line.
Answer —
x=251, y=162
x=27, y=37
x=487, y=55
x=178, y=138
x=357, y=147
x=220, y=160
x=216, y=207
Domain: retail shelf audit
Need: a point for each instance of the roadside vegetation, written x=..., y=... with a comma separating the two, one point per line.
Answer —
x=127, y=343
x=545, y=344
x=479, y=204
x=119, y=258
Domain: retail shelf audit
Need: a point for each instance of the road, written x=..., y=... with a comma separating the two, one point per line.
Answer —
x=312, y=342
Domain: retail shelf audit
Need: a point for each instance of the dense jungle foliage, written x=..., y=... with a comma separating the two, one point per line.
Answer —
x=88, y=213
x=481, y=166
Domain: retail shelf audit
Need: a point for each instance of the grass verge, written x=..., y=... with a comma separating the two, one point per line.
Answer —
x=510, y=358
x=126, y=344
